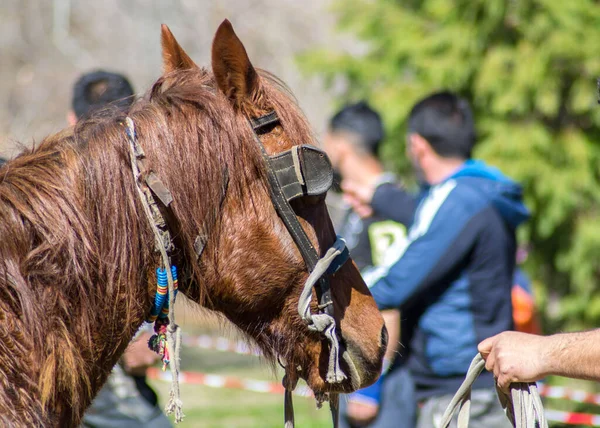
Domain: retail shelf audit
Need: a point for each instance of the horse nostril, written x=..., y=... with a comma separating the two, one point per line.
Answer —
x=384, y=337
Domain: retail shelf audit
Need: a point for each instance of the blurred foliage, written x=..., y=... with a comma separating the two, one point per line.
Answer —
x=529, y=68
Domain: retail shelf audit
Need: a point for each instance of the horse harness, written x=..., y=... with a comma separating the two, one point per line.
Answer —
x=303, y=170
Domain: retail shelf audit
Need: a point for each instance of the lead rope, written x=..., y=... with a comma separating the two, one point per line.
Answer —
x=523, y=406
x=173, y=331
x=321, y=322
x=325, y=324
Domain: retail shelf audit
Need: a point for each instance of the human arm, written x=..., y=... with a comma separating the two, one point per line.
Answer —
x=393, y=201
x=439, y=242
x=521, y=357
x=138, y=357
x=388, y=200
x=391, y=317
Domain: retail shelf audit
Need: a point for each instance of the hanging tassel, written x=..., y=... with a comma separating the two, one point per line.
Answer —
x=158, y=342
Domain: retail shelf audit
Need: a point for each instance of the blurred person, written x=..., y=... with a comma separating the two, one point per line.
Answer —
x=453, y=280
x=96, y=90
x=353, y=140
x=126, y=400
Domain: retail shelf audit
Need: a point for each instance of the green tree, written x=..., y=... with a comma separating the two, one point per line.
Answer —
x=529, y=68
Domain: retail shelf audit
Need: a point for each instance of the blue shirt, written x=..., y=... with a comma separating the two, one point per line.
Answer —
x=454, y=277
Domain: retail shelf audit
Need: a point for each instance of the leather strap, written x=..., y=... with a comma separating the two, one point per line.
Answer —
x=262, y=122
x=288, y=216
x=302, y=171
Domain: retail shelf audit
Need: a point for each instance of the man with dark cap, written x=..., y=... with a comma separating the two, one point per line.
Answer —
x=126, y=400
x=96, y=90
x=353, y=142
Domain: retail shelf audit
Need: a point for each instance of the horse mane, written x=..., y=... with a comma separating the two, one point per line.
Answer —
x=76, y=253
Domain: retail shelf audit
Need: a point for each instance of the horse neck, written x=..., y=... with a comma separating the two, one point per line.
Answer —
x=80, y=266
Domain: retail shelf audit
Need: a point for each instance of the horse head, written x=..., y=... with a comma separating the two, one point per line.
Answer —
x=248, y=266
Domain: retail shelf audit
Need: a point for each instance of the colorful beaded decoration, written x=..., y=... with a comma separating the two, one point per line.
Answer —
x=160, y=314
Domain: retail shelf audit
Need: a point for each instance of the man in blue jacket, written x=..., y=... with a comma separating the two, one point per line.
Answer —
x=453, y=281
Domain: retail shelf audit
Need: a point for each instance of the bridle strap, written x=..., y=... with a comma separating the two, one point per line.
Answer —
x=163, y=243
x=262, y=122
x=288, y=216
x=303, y=170
x=325, y=323
x=288, y=409
x=283, y=207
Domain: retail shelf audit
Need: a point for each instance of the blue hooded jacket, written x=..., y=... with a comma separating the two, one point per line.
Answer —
x=453, y=280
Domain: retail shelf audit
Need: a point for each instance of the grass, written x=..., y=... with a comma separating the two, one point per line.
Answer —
x=208, y=407
x=212, y=407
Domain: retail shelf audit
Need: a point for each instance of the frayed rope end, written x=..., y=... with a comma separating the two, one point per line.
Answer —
x=176, y=407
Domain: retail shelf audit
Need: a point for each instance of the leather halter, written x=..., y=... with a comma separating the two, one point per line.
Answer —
x=301, y=171
x=304, y=171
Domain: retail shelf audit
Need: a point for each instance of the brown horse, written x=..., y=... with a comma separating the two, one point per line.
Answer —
x=77, y=256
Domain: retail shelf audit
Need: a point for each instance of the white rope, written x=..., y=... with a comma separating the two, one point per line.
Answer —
x=324, y=324
x=173, y=330
x=174, y=405
x=523, y=406
x=321, y=322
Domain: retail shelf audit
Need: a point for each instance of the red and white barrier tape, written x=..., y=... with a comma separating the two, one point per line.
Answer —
x=241, y=347
x=568, y=394
x=227, y=382
x=219, y=344
x=573, y=418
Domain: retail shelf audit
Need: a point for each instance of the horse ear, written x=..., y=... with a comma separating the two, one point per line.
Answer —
x=174, y=57
x=231, y=66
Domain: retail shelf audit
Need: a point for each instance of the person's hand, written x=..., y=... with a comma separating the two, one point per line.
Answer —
x=359, y=197
x=138, y=357
x=515, y=357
